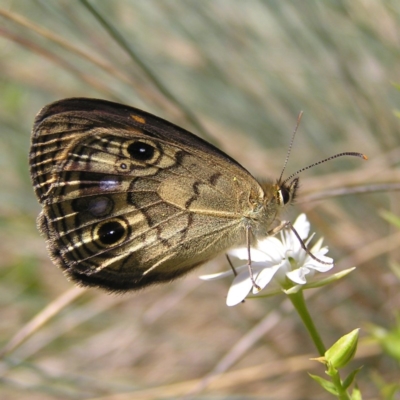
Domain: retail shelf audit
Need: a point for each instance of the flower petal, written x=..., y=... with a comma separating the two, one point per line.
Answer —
x=239, y=289
x=302, y=226
x=317, y=266
x=265, y=276
x=272, y=248
x=298, y=275
x=218, y=275
x=241, y=254
x=317, y=246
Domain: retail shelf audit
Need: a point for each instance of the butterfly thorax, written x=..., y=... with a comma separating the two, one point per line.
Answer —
x=264, y=210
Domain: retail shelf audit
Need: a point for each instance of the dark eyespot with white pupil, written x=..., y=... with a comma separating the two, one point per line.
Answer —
x=111, y=232
x=141, y=151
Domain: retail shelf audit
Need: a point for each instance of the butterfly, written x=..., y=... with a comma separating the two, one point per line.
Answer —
x=129, y=199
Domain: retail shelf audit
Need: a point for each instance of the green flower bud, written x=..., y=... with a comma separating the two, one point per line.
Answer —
x=342, y=352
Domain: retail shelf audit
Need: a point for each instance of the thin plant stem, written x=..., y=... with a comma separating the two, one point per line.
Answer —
x=299, y=304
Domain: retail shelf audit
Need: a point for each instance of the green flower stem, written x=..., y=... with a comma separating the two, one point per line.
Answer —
x=299, y=304
x=341, y=392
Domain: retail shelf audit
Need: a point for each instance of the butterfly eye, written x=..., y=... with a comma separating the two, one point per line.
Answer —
x=284, y=195
x=287, y=192
x=141, y=151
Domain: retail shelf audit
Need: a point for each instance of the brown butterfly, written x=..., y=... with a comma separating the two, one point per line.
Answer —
x=131, y=200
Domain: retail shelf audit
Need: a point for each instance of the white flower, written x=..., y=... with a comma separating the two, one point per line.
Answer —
x=280, y=264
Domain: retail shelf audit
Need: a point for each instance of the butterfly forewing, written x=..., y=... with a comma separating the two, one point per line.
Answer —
x=130, y=199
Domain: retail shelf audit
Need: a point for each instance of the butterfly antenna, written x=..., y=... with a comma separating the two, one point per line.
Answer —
x=291, y=144
x=348, y=153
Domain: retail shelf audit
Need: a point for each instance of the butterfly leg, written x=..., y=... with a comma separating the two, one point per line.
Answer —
x=231, y=265
x=249, y=259
x=277, y=229
x=288, y=225
x=303, y=245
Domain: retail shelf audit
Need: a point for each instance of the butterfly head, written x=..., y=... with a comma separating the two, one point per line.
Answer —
x=276, y=196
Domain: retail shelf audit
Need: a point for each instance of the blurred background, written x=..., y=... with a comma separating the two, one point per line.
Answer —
x=237, y=73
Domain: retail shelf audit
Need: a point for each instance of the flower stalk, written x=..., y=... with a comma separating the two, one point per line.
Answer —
x=299, y=304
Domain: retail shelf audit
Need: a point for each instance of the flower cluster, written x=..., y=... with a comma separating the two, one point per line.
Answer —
x=279, y=264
